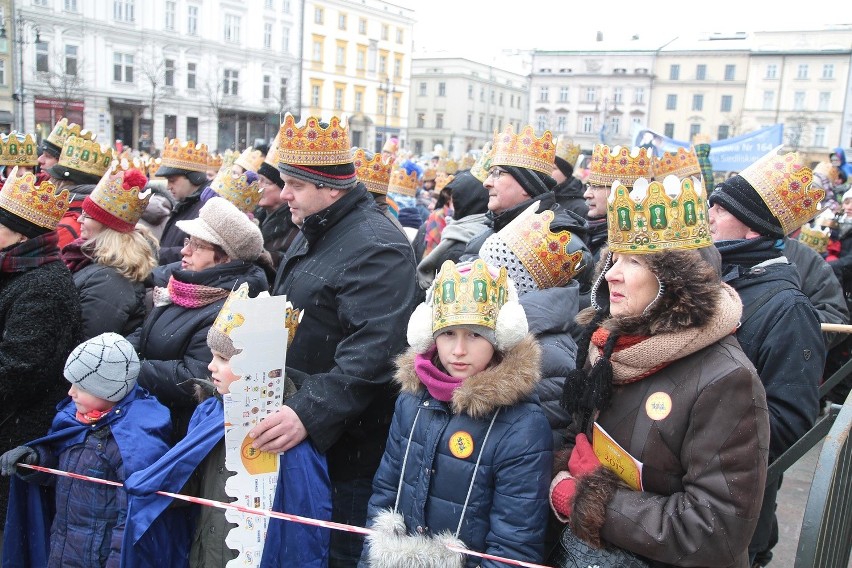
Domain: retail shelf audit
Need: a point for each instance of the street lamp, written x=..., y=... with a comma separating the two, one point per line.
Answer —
x=389, y=89
x=21, y=41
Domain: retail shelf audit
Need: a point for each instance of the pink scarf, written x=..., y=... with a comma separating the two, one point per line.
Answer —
x=187, y=295
x=439, y=384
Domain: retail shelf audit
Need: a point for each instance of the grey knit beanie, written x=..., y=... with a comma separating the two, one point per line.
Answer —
x=105, y=366
x=220, y=222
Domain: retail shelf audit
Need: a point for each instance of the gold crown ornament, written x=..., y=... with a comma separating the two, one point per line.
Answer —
x=442, y=180
x=429, y=174
x=62, y=130
x=250, y=159
x=785, y=185
x=816, y=238
x=214, y=162
x=86, y=156
x=237, y=190
x=152, y=165
x=373, y=172
x=113, y=205
x=391, y=146
x=658, y=215
x=314, y=144
x=567, y=150
x=292, y=319
x=39, y=204
x=620, y=164
x=466, y=162
x=227, y=320
x=402, y=182
x=184, y=155
x=272, y=155
x=472, y=298
x=447, y=166
x=482, y=167
x=682, y=163
x=524, y=149
x=18, y=150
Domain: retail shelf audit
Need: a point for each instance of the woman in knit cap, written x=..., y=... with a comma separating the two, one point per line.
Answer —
x=112, y=257
x=219, y=254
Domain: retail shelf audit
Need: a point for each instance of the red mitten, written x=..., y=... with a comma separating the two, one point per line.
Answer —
x=583, y=459
x=562, y=491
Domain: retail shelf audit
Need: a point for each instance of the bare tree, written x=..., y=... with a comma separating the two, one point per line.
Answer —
x=797, y=130
x=153, y=71
x=66, y=82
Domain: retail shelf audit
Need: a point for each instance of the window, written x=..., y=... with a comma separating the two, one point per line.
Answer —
x=674, y=72
x=482, y=94
x=318, y=15
x=668, y=129
x=71, y=60
x=267, y=4
x=341, y=21
x=397, y=67
x=824, y=100
x=671, y=102
x=362, y=26
x=639, y=95
x=560, y=123
x=442, y=89
x=192, y=128
x=730, y=72
x=617, y=95
x=171, y=9
x=359, y=101
x=614, y=124
x=340, y=56
x=723, y=132
x=192, y=20
x=827, y=73
x=383, y=65
x=512, y=100
x=563, y=94
x=727, y=103
x=282, y=90
x=285, y=6
x=267, y=87
x=381, y=104
x=697, y=102
x=819, y=136
x=543, y=94
x=799, y=100
x=470, y=92
x=70, y=5
x=422, y=91
x=693, y=130
x=169, y=72
x=231, y=82
x=42, y=62
x=481, y=121
x=501, y=99
x=190, y=76
x=338, y=98
x=40, y=2
x=771, y=71
x=170, y=125
x=267, y=35
x=385, y=32
x=123, y=10
x=768, y=100
x=541, y=122
x=439, y=120
x=469, y=120
x=317, y=51
x=2, y=72
x=361, y=59
x=802, y=71
x=122, y=67
x=399, y=35
x=285, y=39
x=591, y=94
x=315, y=95
x=421, y=120
x=232, y=28
x=588, y=125
x=700, y=72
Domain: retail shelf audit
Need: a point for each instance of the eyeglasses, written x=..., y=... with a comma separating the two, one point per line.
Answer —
x=496, y=173
x=596, y=187
x=194, y=245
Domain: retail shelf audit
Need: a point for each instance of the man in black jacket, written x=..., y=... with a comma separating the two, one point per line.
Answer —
x=353, y=274
x=779, y=331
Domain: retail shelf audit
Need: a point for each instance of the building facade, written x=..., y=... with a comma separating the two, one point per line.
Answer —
x=7, y=62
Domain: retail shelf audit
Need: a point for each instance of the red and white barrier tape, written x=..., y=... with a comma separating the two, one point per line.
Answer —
x=275, y=515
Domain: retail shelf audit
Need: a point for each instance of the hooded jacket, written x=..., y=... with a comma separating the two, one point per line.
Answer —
x=569, y=194
x=506, y=513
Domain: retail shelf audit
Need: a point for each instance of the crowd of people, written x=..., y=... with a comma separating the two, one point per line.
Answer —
x=495, y=356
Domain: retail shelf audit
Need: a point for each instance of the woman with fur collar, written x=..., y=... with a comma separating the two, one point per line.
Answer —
x=469, y=453
x=661, y=372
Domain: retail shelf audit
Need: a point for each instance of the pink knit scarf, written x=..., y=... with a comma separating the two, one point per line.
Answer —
x=187, y=295
x=439, y=384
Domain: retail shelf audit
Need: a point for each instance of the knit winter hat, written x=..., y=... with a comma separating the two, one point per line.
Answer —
x=119, y=199
x=742, y=201
x=220, y=222
x=410, y=217
x=534, y=183
x=105, y=366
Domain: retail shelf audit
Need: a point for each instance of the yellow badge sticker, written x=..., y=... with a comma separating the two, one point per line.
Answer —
x=461, y=445
x=658, y=406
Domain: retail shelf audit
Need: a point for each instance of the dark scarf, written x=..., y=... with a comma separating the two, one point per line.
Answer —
x=739, y=256
x=74, y=257
x=30, y=254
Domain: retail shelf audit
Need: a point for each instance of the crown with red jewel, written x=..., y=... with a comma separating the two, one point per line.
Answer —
x=18, y=150
x=237, y=189
x=38, y=204
x=119, y=198
x=567, y=150
x=402, y=182
x=314, y=144
x=184, y=155
x=373, y=172
x=682, y=163
x=250, y=159
x=524, y=149
x=620, y=164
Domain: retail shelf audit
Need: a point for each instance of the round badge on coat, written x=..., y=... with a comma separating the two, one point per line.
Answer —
x=658, y=406
x=461, y=444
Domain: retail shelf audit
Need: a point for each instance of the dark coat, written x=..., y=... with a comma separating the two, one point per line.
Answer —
x=353, y=274
x=39, y=326
x=171, y=241
x=172, y=342
x=569, y=195
x=278, y=230
x=109, y=301
x=506, y=514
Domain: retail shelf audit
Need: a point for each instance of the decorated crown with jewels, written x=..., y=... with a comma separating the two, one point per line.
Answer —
x=250, y=159
x=472, y=298
x=38, y=204
x=86, y=156
x=237, y=189
x=524, y=149
x=442, y=180
x=619, y=163
x=214, y=162
x=786, y=186
x=466, y=162
x=373, y=172
x=18, y=150
x=184, y=155
x=816, y=238
x=271, y=157
x=314, y=144
x=482, y=167
x=227, y=320
x=567, y=150
x=658, y=215
x=402, y=182
x=682, y=163
x=62, y=130
x=110, y=196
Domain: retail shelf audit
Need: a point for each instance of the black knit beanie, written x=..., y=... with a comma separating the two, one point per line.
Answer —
x=743, y=202
x=271, y=173
x=534, y=183
x=564, y=167
x=338, y=176
x=469, y=196
x=20, y=225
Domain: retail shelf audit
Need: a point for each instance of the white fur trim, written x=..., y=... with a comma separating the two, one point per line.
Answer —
x=390, y=546
x=512, y=326
x=420, y=328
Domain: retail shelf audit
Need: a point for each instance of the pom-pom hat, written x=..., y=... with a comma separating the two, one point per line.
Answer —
x=120, y=198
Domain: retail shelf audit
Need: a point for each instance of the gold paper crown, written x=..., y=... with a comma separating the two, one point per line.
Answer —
x=567, y=150
x=375, y=173
x=656, y=216
x=152, y=165
x=551, y=258
x=272, y=155
x=429, y=174
x=785, y=185
x=313, y=144
x=482, y=167
x=472, y=298
x=292, y=319
x=18, y=152
x=214, y=162
x=682, y=163
x=829, y=174
x=184, y=155
x=391, y=146
x=124, y=204
x=816, y=238
x=227, y=320
x=619, y=164
x=524, y=150
x=237, y=190
x=442, y=180
x=402, y=182
x=62, y=130
x=250, y=159
x=466, y=162
x=86, y=156
x=38, y=204
x=447, y=166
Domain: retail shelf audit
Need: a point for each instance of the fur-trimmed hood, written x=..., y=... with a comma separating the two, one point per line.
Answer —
x=508, y=382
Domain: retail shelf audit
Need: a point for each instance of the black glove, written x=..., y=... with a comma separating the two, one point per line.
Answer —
x=21, y=454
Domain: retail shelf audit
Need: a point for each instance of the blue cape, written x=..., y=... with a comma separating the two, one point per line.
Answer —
x=141, y=427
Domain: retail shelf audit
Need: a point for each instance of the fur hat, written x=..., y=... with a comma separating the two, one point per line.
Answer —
x=105, y=366
x=220, y=222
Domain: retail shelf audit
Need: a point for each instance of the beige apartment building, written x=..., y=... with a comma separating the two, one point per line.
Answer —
x=7, y=62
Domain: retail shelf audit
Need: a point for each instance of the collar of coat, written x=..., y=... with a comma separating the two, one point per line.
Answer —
x=316, y=225
x=510, y=381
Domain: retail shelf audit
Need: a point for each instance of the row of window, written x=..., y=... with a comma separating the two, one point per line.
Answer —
x=496, y=97
x=591, y=95
x=170, y=126
x=802, y=71
x=367, y=57
x=122, y=10
x=358, y=106
x=768, y=103
x=343, y=20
